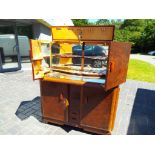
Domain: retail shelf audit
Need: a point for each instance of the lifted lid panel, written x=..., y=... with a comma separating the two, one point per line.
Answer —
x=83, y=33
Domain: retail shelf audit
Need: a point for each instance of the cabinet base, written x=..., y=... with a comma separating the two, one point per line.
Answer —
x=84, y=128
x=88, y=108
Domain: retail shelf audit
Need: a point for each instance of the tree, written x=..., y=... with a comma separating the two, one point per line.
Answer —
x=148, y=36
x=133, y=29
x=134, y=24
x=103, y=22
x=80, y=22
x=140, y=32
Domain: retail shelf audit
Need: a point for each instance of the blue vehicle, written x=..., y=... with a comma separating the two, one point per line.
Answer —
x=90, y=51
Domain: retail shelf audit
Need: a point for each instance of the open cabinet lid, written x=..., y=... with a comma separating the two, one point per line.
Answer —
x=83, y=33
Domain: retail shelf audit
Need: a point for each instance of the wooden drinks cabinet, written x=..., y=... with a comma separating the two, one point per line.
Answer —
x=80, y=72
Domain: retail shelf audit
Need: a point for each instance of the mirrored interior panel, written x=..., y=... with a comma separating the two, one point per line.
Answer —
x=46, y=51
x=45, y=48
x=55, y=50
x=95, y=56
x=77, y=62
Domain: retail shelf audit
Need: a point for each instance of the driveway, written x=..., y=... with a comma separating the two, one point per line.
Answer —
x=20, y=109
x=148, y=58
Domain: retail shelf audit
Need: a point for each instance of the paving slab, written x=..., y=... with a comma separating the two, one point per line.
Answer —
x=20, y=109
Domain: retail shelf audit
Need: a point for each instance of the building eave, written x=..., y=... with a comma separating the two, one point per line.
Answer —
x=43, y=22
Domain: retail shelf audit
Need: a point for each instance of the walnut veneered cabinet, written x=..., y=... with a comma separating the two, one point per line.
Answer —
x=80, y=72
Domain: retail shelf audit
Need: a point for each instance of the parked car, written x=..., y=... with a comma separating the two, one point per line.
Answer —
x=8, y=45
x=90, y=50
x=151, y=53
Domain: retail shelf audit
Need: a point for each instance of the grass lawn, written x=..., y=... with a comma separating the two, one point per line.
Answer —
x=140, y=70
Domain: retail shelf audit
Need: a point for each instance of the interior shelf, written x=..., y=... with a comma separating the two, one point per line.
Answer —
x=73, y=79
x=78, y=56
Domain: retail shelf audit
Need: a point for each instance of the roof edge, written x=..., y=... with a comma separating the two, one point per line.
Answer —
x=44, y=22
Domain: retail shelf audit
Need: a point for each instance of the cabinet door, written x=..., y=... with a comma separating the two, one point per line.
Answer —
x=117, y=64
x=54, y=100
x=40, y=58
x=98, y=108
x=74, y=104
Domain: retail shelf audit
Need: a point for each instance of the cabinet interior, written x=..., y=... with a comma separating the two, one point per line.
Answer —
x=72, y=62
x=76, y=54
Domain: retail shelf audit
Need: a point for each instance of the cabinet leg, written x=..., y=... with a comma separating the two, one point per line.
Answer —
x=97, y=131
x=44, y=121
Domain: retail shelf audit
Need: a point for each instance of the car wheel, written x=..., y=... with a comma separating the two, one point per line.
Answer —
x=97, y=64
x=2, y=55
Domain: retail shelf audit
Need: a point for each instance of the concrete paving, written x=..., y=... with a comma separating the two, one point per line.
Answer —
x=148, y=58
x=20, y=109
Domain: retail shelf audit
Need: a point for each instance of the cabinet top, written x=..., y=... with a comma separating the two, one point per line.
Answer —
x=83, y=33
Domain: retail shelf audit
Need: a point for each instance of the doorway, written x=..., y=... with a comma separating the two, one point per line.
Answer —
x=10, y=59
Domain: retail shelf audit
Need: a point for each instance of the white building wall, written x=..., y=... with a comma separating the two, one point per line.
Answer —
x=41, y=32
x=61, y=22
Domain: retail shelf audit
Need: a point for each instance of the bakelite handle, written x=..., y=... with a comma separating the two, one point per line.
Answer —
x=63, y=100
x=111, y=66
x=61, y=96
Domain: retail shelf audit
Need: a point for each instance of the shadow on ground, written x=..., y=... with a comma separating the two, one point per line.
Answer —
x=33, y=108
x=142, y=121
x=30, y=108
